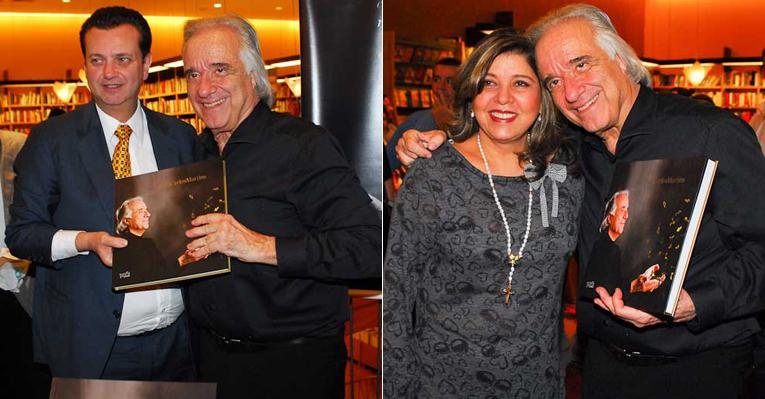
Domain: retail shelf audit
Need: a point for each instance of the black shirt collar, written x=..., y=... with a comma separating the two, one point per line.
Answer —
x=638, y=121
x=246, y=132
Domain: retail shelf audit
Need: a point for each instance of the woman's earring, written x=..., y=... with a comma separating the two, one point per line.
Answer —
x=539, y=118
x=472, y=114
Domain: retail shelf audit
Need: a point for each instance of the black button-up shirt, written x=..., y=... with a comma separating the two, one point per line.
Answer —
x=726, y=276
x=289, y=179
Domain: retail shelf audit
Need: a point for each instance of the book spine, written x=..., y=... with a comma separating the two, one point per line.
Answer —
x=705, y=187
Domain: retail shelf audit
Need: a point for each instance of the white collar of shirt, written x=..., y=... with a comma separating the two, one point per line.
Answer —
x=137, y=122
x=142, y=158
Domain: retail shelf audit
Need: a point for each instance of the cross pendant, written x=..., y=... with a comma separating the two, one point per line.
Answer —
x=507, y=291
x=513, y=259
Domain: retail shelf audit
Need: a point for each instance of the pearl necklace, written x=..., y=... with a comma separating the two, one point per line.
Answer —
x=512, y=259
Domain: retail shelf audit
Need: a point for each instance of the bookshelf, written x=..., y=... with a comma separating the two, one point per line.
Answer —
x=409, y=70
x=166, y=92
x=285, y=100
x=23, y=105
x=738, y=85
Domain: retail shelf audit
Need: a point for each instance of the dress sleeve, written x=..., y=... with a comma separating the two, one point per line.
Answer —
x=735, y=287
x=411, y=244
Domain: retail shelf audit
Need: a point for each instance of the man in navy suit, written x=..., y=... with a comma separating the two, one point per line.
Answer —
x=63, y=208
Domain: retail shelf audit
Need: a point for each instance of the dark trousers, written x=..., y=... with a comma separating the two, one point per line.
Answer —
x=757, y=383
x=20, y=377
x=716, y=373
x=159, y=355
x=314, y=368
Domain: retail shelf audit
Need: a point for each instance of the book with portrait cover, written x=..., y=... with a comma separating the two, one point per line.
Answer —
x=153, y=211
x=648, y=230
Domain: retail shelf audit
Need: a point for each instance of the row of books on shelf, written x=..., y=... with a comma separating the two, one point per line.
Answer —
x=740, y=99
x=170, y=106
x=281, y=91
x=419, y=54
x=38, y=98
x=13, y=116
x=196, y=122
x=743, y=78
x=176, y=85
x=288, y=105
x=414, y=98
x=732, y=79
x=680, y=80
x=414, y=74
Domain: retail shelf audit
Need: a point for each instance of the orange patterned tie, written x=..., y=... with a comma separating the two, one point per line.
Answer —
x=121, y=157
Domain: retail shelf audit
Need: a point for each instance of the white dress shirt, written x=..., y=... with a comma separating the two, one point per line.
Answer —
x=145, y=310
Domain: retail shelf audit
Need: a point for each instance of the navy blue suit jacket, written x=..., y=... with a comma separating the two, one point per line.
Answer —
x=65, y=181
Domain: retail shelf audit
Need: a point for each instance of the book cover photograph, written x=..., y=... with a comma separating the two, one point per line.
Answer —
x=153, y=211
x=648, y=230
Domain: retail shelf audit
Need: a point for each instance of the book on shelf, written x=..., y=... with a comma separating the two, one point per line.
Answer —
x=403, y=53
x=425, y=98
x=153, y=211
x=402, y=98
x=648, y=230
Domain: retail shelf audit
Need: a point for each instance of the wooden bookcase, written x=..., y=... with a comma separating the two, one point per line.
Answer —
x=166, y=92
x=408, y=67
x=739, y=88
x=285, y=101
x=23, y=105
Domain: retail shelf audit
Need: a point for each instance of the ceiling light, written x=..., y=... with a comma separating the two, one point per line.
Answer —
x=66, y=1
x=174, y=64
x=742, y=63
x=64, y=91
x=217, y=5
x=278, y=8
x=696, y=73
x=157, y=68
x=670, y=66
x=283, y=64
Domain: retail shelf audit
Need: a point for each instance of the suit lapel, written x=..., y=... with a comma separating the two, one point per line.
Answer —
x=163, y=145
x=94, y=154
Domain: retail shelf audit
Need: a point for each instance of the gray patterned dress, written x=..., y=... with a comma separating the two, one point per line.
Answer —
x=447, y=331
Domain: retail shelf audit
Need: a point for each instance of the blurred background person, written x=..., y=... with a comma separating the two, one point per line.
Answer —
x=437, y=116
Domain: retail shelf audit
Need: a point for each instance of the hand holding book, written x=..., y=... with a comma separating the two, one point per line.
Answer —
x=217, y=232
x=100, y=242
x=614, y=304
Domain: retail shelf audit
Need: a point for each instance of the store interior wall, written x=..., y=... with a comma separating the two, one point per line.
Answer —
x=660, y=29
x=45, y=47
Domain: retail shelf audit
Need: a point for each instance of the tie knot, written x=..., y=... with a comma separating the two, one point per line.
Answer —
x=123, y=132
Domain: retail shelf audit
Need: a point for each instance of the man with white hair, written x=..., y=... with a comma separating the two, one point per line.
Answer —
x=300, y=226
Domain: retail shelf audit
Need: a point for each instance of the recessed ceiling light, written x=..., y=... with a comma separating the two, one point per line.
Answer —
x=217, y=5
x=278, y=8
x=66, y=1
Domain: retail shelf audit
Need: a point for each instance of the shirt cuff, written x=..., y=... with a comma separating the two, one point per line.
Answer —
x=63, y=245
x=290, y=257
x=708, y=300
